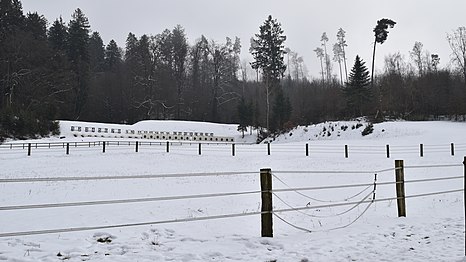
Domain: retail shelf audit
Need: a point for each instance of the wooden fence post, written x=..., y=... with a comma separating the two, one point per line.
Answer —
x=233, y=149
x=452, y=147
x=168, y=147
x=266, y=196
x=67, y=148
x=137, y=146
x=464, y=201
x=29, y=149
x=200, y=150
x=103, y=147
x=421, y=150
x=268, y=149
x=400, y=188
x=388, y=151
x=307, y=149
x=346, y=151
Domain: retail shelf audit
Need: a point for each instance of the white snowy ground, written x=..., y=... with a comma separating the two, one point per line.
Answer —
x=432, y=231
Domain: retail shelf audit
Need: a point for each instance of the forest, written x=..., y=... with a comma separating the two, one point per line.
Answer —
x=62, y=70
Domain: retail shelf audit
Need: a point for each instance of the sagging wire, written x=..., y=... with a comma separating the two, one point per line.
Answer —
x=320, y=200
x=335, y=228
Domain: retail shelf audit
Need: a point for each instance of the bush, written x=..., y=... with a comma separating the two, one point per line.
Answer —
x=368, y=130
x=24, y=124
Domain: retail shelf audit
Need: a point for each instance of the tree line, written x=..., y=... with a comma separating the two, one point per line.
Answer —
x=64, y=70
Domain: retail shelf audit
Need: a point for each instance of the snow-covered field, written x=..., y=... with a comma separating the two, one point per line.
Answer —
x=433, y=230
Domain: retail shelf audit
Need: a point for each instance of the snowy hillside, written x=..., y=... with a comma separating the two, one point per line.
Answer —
x=153, y=205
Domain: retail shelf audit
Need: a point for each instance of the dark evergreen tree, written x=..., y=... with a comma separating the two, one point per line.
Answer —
x=78, y=53
x=245, y=115
x=281, y=111
x=267, y=49
x=180, y=51
x=357, y=90
x=113, y=55
x=96, y=53
x=11, y=17
x=58, y=35
x=37, y=25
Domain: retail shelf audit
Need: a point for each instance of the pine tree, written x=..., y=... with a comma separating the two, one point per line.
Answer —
x=381, y=34
x=267, y=49
x=281, y=111
x=96, y=53
x=58, y=35
x=357, y=91
x=245, y=114
x=78, y=53
x=112, y=55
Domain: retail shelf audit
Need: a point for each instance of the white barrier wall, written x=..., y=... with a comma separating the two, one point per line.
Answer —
x=89, y=131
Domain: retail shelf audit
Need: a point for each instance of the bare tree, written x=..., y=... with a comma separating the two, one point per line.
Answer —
x=342, y=42
x=457, y=41
x=338, y=57
x=320, y=54
x=416, y=55
x=324, y=40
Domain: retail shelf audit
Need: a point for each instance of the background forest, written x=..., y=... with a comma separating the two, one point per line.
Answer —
x=63, y=70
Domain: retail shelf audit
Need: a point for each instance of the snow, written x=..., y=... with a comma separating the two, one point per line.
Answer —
x=432, y=231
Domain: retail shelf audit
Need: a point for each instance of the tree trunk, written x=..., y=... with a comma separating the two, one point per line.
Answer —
x=373, y=62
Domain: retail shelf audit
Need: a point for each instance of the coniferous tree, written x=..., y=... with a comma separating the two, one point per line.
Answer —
x=281, y=111
x=78, y=54
x=357, y=90
x=180, y=51
x=113, y=55
x=267, y=49
x=96, y=53
x=58, y=35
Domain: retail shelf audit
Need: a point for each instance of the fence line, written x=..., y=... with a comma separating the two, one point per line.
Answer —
x=125, y=201
x=268, y=191
x=88, y=178
x=368, y=201
x=75, y=229
x=307, y=151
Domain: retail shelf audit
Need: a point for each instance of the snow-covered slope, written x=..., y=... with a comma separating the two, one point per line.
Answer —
x=432, y=231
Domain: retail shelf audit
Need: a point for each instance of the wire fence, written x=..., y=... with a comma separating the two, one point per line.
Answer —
x=365, y=195
x=308, y=149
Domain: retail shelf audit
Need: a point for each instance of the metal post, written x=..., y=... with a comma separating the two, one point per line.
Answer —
x=307, y=149
x=346, y=151
x=29, y=149
x=67, y=148
x=421, y=150
x=400, y=188
x=200, y=150
x=168, y=147
x=137, y=146
x=388, y=151
x=266, y=196
x=452, y=146
x=103, y=147
x=268, y=149
x=233, y=149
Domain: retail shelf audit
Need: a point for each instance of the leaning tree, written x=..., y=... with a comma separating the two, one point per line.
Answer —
x=381, y=35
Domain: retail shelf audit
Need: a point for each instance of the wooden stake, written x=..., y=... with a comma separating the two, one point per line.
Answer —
x=400, y=188
x=266, y=196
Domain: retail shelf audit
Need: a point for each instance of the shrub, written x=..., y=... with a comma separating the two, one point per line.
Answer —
x=368, y=130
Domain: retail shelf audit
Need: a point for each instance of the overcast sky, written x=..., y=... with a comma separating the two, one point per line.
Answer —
x=303, y=21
